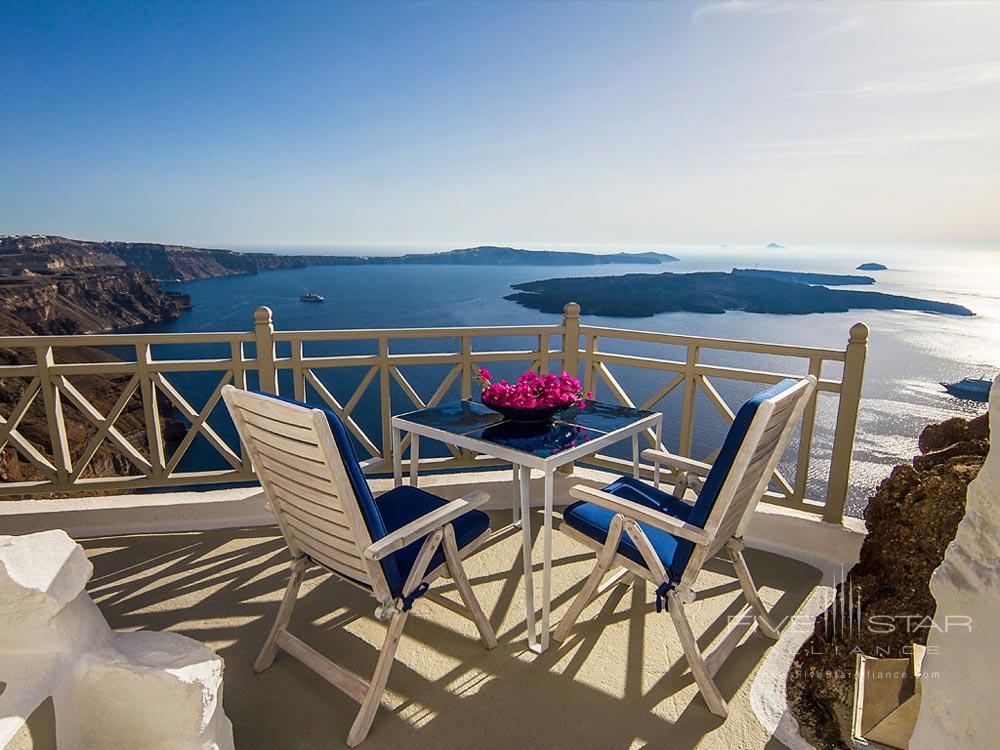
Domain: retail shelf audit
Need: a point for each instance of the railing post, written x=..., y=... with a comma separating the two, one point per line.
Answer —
x=690, y=400
x=151, y=409
x=543, y=353
x=589, y=367
x=298, y=373
x=466, y=376
x=54, y=415
x=385, y=400
x=847, y=422
x=571, y=339
x=263, y=331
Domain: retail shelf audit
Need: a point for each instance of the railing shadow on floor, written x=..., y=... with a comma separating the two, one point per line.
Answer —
x=222, y=587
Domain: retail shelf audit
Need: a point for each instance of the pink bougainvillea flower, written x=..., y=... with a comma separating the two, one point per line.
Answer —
x=533, y=390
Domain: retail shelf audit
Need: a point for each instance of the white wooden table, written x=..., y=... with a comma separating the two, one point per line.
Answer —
x=575, y=434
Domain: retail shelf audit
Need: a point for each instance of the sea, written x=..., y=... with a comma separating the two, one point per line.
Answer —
x=910, y=353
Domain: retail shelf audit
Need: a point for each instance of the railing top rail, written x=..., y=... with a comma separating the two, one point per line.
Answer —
x=126, y=339
x=781, y=350
x=347, y=334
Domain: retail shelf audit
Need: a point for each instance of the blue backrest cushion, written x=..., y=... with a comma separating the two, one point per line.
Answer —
x=369, y=510
x=734, y=439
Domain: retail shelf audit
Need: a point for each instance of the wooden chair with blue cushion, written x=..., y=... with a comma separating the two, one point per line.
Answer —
x=392, y=546
x=666, y=539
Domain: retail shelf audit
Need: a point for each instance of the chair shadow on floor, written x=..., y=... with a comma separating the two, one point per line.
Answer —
x=620, y=680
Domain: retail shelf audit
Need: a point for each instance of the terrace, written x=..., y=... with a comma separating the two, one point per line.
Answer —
x=181, y=539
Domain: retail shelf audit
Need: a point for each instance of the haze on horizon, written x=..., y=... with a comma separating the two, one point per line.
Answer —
x=423, y=125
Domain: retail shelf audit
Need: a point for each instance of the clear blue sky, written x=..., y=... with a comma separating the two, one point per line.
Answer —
x=437, y=124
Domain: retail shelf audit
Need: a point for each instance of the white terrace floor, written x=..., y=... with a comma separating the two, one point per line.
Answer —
x=619, y=681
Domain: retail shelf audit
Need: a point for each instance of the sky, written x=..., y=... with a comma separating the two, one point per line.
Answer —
x=429, y=125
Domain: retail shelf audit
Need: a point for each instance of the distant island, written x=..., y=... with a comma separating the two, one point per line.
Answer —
x=775, y=246
x=871, y=267
x=826, y=279
x=489, y=255
x=642, y=295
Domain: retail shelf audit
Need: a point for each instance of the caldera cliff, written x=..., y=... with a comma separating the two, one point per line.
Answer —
x=47, y=289
x=910, y=519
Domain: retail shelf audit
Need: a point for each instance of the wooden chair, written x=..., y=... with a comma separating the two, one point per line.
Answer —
x=392, y=546
x=667, y=540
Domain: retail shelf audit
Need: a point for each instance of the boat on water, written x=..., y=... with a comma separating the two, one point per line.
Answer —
x=310, y=297
x=972, y=389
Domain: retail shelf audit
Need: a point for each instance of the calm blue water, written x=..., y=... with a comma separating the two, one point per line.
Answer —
x=909, y=352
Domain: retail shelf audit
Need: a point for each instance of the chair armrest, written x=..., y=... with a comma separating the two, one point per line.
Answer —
x=421, y=527
x=640, y=513
x=677, y=462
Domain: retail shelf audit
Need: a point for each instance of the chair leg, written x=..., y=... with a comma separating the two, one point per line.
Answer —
x=764, y=621
x=699, y=669
x=373, y=698
x=270, y=649
x=604, y=560
x=465, y=588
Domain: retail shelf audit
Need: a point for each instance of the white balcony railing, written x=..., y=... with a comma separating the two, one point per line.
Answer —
x=350, y=366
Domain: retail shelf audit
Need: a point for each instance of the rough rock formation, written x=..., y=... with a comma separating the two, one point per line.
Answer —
x=84, y=301
x=106, y=690
x=68, y=290
x=911, y=519
x=959, y=702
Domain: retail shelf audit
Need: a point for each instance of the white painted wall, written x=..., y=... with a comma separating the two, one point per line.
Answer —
x=960, y=688
x=113, y=691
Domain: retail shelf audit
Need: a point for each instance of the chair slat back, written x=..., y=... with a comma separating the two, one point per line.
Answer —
x=305, y=480
x=753, y=466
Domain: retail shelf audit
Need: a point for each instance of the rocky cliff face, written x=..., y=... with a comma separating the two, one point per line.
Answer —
x=911, y=519
x=84, y=300
x=164, y=262
x=65, y=290
x=50, y=285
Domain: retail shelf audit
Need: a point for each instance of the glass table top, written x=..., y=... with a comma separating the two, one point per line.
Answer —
x=572, y=427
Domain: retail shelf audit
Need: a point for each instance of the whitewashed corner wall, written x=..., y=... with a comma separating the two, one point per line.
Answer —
x=109, y=690
x=960, y=691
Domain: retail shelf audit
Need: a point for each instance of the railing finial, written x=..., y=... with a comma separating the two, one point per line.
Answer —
x=571, y=338
x=263, y=332
x=859, y=333
x=262, y=316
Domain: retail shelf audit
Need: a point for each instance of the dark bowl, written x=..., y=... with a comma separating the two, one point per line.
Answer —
x=516, y=414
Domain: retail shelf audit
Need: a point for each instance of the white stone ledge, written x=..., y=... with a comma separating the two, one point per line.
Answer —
x=108, y=690
x=792, y=533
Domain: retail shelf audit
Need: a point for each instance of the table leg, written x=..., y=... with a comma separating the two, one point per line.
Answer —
x=635, y=455
x=414, y=458
x=547, y=560
x=397, y=458
x=516, y=495
x=529, y=587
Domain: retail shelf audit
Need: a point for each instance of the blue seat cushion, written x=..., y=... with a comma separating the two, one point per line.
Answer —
x=403, y=504
x=366, y=502
x=674, y=553
x=595, y=521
